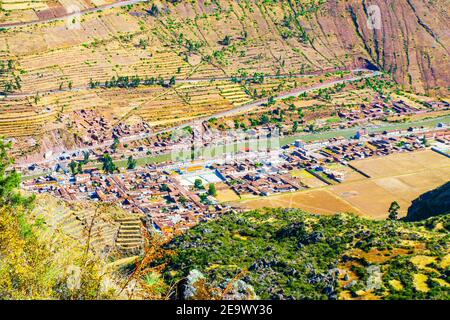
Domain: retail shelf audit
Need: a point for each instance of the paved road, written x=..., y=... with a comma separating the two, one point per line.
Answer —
x=63, y=17
x=241, y=109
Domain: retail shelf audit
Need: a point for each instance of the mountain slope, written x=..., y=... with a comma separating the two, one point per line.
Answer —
x=288, y=254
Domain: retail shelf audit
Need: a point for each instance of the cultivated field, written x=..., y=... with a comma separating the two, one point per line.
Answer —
x=402, y=164
x=398, y=177
x=319, y=201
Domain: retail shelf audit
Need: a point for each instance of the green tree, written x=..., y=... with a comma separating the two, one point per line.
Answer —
x=172, y=81
x=10, y=179
x=393, y=211
x=226, y=41
x=73, y=167
x=271, y=101
x=115, y=144
x=264, y=119
x=108, y=164
x=131, y=163
x=198, y=184
x=154, y=10
x=183, y=200
x=204, y=198
x=143, y=43
x=80, y=167
x=212, y=190
x=85, y=157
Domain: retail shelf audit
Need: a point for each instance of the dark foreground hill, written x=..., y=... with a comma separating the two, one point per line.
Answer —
x=289, y=254
x=433, y=203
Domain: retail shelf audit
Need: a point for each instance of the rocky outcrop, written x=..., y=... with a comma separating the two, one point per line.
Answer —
x=430, y=204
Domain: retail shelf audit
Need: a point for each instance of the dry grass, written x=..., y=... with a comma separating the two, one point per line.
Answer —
x=420, y=282
x=315, y=201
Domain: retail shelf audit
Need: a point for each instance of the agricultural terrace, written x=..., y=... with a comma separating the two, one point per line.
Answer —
x=23, y=11
x=140, y=62
x=58, y=70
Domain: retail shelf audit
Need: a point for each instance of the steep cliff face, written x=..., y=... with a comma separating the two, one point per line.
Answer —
x=412, y=42
x=407, y=38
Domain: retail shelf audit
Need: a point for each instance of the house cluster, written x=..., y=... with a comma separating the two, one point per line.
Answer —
x=316, y=158
x=96, y=128
x=156, y=193
x=441, y=136
x=379, y=109
x=364, y=113
x=172, y=202
x=257, y=178
x=126, y=129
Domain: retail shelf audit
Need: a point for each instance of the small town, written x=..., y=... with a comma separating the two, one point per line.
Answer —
x=174, y=196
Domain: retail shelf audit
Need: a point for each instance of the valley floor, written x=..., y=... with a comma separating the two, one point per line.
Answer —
x=397, y=177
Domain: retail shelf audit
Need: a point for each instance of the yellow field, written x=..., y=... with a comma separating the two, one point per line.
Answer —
x=307, y=178
x=401, y=163
x=225, y=194
x=400, y=177
x=315, y=201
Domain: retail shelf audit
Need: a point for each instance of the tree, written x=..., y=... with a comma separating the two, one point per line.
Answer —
x=154, y=10
x=226, y=41
x=85, y=157
x=10, y=179
x=183, y=200
x=80, y=167
x=295, y=127
x=73, y=167
x=212, y=190
x=198, y=184
x=425, y=142
x=172, y=81
x=143, y=43
x=393, y=211
x=131, y=163
x=115, y=144
x=204, y=198
x=108, y=164
x=264, y=119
